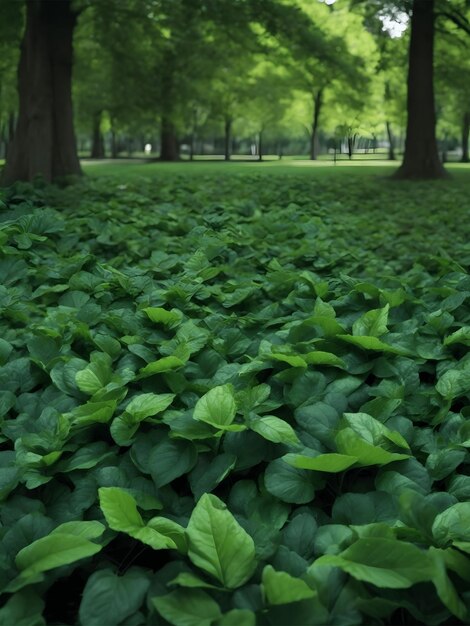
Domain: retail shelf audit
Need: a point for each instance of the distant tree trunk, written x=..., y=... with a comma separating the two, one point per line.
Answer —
x=260, y=145
x=169, y=147
x=114, y=144
x=227, y=138
x=351, y=143
x=391, y=142
x=421, y=159
x=97, y=142
x=317, y=105
x=44, y=140
x=465, y=133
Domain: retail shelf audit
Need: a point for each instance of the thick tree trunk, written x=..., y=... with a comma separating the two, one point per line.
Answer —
x=44, y=141
x=421, y=158
x=317, y=105
x=97, y=144
x=169, y=147
x=391, y=142
x=227, y=138
x=465, y=133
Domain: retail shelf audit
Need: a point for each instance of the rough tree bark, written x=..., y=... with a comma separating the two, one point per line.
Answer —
x=391, y=142
x=44, y=140
x=465, y=133
x=97, y=145
x=317, y=105
x=421, y=159
x=169, y=146
x=227, y=138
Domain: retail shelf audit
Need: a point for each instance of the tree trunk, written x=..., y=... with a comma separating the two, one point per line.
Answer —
x=169, y=148
x=465, y=132
x=44, y=141
x=97, y=143
x=351, y=143
x=317, y=104
x=421, y=159
x=227, y=138
x=391, y=142
x=114, y=144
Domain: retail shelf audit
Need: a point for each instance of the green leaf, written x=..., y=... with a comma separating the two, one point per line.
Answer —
x=454, y=383
x=165, y=364
x=288, y=483
x=373, y=323
x=290, y=359
x=162, y=316
x=86, y=529
x=171, y=458
x=110, y=599
x=453, y=524
x=148, y=404
x=237, y=617
x=187, y=607
x=373, y=343
x=218, y=544
x=120, y=511
x=349, y=443
x=96, y=375
x=319, y=357
x=383, y=562
x=462, y=335
x=217, y=407
x=53, y=551
x=322, y=463
x=282, y=588
x=274, y=429
x=23, y=609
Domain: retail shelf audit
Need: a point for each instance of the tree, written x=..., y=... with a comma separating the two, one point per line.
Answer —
x=44, y=141
x=421, y=158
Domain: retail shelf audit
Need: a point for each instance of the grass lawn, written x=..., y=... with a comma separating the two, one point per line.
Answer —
x=240, y=392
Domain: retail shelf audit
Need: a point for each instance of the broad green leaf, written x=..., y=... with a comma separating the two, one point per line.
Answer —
x=290, y=359
x=120, y=511
x=318, y=357
x=162, y=316
x=288, y=483
x=349, y=443
x=165, y=364
x=454, y=383
x=383, y=562
x=453, y=524
x=282, y=588
x=53, y=551
x=87, y=530
x=188, y=607
x=373, y=323
x=148, y=404
x=444, y=586
x=218, y=544
x=217, y=407
x=373, y=343
x=171, y=458
x=274, y=429
x=96, y=375
x=109, y=598
x=237, y=617
x=322, y=463
x=23, y=609
x=462, y=335
x=191, y=581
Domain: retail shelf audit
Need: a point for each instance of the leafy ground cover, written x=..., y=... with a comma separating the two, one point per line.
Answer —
x=235, y=400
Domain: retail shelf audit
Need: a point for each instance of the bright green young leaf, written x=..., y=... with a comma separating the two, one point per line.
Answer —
x=318, y=357
x=373, y=323
x=53, y=551
x=274, y=429
x=217, y=407
x=165, y=364
x=96, y=375
x=162, y=316
x=332, y=463
x=282, y=588
x=218, y=544
x=384, y=563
